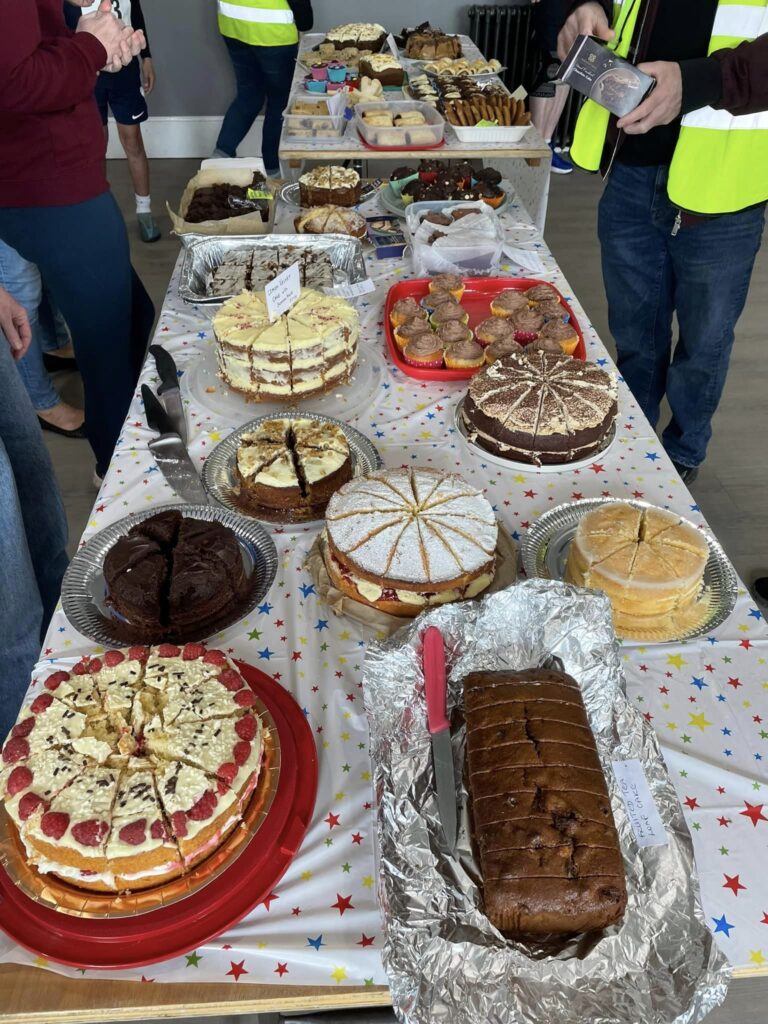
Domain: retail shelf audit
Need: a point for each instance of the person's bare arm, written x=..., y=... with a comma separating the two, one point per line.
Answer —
x=14, y=324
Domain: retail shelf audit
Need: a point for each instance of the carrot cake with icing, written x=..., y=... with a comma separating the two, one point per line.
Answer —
x=305, y=352
x=133, y=767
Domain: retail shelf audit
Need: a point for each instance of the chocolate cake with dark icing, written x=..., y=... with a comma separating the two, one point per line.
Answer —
x=542, y=820
x=222, y=201
x=541, y=407
x=172, y=576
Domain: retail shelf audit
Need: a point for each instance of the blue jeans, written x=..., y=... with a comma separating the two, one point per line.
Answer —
x=83, y=256
x=21, y=279
x=702, y=273
x=33, y=539
x=261, y=73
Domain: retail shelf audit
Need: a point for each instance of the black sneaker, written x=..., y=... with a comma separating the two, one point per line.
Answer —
x=688, y=474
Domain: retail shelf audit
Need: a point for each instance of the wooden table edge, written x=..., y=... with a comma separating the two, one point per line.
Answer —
x=27, y=998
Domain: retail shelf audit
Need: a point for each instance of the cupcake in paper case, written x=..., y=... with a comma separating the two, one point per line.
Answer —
x=454, y=333
x=432, y=300
x=447, y=313
x=466, y=355
x=410, y=330
x=405, y=309
x=447, y=283
x=424, y=351
x=509, y=302
x=501, y=348
x=541, y=293
x=563, y=334
x=495, y=328
x=527, y=324
x=552, y=309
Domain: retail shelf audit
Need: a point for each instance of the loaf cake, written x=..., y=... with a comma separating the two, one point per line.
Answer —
x=133, y=767
x=384, y=68
x=252, y=269
x=308, y=350
x=293, y=465
x=339, y=186
x=647, y=560
x=403, y=540
x=173, y=577
x=540, y=407
x=548, y=849
x=359, y=34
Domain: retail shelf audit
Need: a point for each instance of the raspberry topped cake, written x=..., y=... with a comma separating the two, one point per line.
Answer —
x=133, y=767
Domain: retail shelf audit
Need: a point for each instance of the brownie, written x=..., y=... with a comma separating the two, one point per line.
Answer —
x=542, y=822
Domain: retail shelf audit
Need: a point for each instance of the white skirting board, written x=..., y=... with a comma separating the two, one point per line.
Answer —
x=177, y=137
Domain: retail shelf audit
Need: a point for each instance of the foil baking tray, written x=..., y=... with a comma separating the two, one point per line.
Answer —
x=203, y=253
x=544, y=552
x=444, y=959
x=220, y=470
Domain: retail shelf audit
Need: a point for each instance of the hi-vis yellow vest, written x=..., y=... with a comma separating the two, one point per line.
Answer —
x=720, y=164
x=258, y=22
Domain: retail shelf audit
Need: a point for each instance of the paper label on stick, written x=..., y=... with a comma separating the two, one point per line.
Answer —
x=283, y=292
x=351, y=291
x=638, y=800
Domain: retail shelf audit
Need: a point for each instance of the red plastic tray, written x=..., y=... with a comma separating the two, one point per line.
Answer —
x=477, y=301
x=398, y=149
x=188, y=924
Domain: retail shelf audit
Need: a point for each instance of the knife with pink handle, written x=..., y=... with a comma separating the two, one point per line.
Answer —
x=440, y=731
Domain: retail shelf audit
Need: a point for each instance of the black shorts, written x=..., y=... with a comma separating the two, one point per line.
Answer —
x=120, y=92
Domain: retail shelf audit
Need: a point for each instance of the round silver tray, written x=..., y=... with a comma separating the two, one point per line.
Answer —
x=220, y=473
x=83, y=591
x=289, y=194
x=528, y=467
x=201, y=384
x=393, y=203
x=544, y=552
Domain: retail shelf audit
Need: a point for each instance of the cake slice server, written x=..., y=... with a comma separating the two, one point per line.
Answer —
x=440, y=731
x=171, y=453
x=169, y=389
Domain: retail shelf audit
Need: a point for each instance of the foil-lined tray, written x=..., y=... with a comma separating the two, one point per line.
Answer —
x=66, y=898
x=220, y=469
x=83, y=592
x=444, y=959
x=203, y=253
x=544, y=553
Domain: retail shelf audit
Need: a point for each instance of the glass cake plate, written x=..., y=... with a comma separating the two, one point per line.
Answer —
x=83, y=591
x=220, y=472
x=201, y=384
x=544, y=552
x=529, y=467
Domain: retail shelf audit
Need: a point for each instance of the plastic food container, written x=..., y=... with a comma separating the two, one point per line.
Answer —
x=421, y=136
x=497, y=133
x=480, y=257
x=306, y=124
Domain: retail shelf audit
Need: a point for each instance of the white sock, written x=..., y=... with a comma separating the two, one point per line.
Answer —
x=143, y=204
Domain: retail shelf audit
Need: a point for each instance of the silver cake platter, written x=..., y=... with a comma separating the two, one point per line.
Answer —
x=544, y=552
x=528, y=467
x=84, y=590
x=220, y=469
x=290, y=194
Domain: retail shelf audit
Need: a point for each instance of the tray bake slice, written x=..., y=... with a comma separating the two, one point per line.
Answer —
x=548, y=849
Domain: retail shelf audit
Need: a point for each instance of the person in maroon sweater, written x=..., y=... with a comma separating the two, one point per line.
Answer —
x=56, y=209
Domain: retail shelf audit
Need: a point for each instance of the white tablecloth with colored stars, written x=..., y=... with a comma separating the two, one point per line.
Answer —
x=707, y=700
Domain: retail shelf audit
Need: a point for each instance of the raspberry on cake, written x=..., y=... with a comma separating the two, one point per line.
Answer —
x=128, y=798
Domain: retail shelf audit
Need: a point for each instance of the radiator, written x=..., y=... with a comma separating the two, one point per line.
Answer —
x=505, y=31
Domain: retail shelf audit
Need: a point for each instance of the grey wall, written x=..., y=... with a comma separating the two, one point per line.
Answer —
x=193, y=72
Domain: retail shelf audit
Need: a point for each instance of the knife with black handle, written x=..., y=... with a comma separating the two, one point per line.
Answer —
x=169, y=389
x=171, y=453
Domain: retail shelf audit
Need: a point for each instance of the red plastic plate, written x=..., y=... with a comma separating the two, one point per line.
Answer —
x=398, y=149
x=188, y=924
x=477, y=301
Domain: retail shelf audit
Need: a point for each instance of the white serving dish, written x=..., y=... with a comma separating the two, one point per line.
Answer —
x=429, y=134
x=499, y=133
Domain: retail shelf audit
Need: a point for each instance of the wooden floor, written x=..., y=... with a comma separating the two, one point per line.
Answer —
x=731, y=489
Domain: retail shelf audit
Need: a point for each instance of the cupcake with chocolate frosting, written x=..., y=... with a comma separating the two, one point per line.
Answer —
x=454, y=332
x=409, y=330
x=541, y=292
x=448, y=313
x=425, y=351
x=509, y=302
x=449, y=283
x=501, y=348
x=466, y=355
x=405, y=309
x=494, y=329
x=563, y=333
x=527, y=324
x=552, y=309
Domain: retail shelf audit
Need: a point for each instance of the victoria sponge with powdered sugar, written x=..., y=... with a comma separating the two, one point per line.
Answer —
x=130, y=769
x=407, y=539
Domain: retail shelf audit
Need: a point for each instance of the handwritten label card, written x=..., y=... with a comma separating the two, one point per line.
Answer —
x=641, y=807
x=283, y=292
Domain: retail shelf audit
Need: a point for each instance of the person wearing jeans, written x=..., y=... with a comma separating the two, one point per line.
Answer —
x=33, y=526
x=701, y=273
x=262, y=39
x=21, y=279
x=55, y=206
